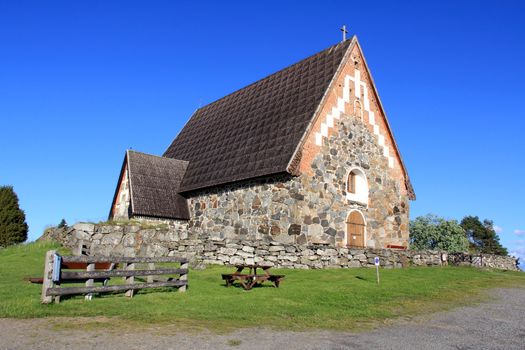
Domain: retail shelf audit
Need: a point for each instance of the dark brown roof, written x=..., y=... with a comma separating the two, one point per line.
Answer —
x=255, y=131
x=155, y=183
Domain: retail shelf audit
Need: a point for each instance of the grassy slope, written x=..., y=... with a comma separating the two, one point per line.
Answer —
x=336, y=299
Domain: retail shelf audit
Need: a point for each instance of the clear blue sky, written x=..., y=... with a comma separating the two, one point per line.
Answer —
x=81, y=81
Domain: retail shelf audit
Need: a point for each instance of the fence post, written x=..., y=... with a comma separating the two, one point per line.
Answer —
x=183, y=277
x=130, y=279
x=151, y=278
x=90, y=282
x=48, y=281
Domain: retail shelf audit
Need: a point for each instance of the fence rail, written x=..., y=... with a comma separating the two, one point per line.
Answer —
x=61, y=270
x=116, y=288
x=120, y=273
x=121, y=259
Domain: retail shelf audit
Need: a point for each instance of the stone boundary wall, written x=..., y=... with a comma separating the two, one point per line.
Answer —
x=173, y=240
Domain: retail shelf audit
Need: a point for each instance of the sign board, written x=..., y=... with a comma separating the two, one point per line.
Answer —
x=376, y=261
x=57, y=262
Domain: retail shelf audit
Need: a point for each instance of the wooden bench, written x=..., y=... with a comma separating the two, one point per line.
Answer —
x=61, y=270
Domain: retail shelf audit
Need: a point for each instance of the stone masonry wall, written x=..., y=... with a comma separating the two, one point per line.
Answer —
x=173, y=240
x=310, y=209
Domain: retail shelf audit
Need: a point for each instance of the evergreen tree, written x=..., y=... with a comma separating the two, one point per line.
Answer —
x=436, y=233
x=13, y=227
x=62, y=224
x=482, y=236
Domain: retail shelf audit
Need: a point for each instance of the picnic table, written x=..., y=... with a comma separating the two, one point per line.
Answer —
x=251, y=279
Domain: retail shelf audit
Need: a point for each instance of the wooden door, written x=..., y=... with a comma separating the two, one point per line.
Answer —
x=355, y=230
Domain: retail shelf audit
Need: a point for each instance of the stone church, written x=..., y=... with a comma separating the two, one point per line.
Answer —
x=303, y=156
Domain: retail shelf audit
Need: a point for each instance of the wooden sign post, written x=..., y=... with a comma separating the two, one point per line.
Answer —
x=376, y=262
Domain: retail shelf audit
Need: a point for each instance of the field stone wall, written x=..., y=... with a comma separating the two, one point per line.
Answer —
x=172, y=239
x=310, y=209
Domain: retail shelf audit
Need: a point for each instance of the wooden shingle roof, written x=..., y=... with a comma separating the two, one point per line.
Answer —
x=255, y=131
x=154, y=185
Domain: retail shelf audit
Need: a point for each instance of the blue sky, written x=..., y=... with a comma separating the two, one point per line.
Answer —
x=82, y=81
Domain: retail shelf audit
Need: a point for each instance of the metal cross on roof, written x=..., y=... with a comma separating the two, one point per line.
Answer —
x=343, y=29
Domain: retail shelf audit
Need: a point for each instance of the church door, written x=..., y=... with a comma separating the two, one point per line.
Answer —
x=355, y=229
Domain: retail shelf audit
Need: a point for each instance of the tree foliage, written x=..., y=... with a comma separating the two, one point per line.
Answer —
x=62, y=224
x=482, y=236
x=13, y=227
x=436, y=233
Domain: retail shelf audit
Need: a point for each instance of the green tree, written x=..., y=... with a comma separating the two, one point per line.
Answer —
x=62, y=224
x=436, y=233
x=13, y=227
x=482, y=236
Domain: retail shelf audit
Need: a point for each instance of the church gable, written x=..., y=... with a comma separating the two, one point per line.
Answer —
x=352, y=94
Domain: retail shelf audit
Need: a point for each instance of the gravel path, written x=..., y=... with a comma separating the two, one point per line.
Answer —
x=498, y=324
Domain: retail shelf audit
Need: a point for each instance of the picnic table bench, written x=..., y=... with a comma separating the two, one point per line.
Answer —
x=251, y=279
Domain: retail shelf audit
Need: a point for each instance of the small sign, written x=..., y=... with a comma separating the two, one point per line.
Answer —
x=57, y=262
x=376, y=262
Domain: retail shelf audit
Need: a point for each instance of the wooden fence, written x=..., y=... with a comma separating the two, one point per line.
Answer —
x=89, y=270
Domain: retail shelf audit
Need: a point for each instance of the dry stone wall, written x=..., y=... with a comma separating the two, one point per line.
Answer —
x=173, y=240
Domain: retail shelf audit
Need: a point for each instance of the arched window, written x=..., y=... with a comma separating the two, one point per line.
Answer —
x=350, y=185
x=355, y=229
x=357, y=186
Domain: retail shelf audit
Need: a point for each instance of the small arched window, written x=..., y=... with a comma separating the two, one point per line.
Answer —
x=357, y=186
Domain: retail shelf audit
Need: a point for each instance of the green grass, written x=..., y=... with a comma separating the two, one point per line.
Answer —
x=330, y=299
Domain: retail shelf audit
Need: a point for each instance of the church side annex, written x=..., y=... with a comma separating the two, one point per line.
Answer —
x=303, y=156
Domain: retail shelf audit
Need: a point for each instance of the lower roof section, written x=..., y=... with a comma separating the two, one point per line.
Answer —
x=155, y=184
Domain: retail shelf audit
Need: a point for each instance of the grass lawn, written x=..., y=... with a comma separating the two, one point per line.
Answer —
x=339, y=299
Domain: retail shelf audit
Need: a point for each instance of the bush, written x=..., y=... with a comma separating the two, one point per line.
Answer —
x=436, y=233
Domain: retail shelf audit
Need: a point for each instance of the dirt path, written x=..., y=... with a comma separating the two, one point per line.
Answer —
x=499, y=324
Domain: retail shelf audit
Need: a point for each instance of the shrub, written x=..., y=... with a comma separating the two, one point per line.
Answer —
x=13, y=227
x=436, y=233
